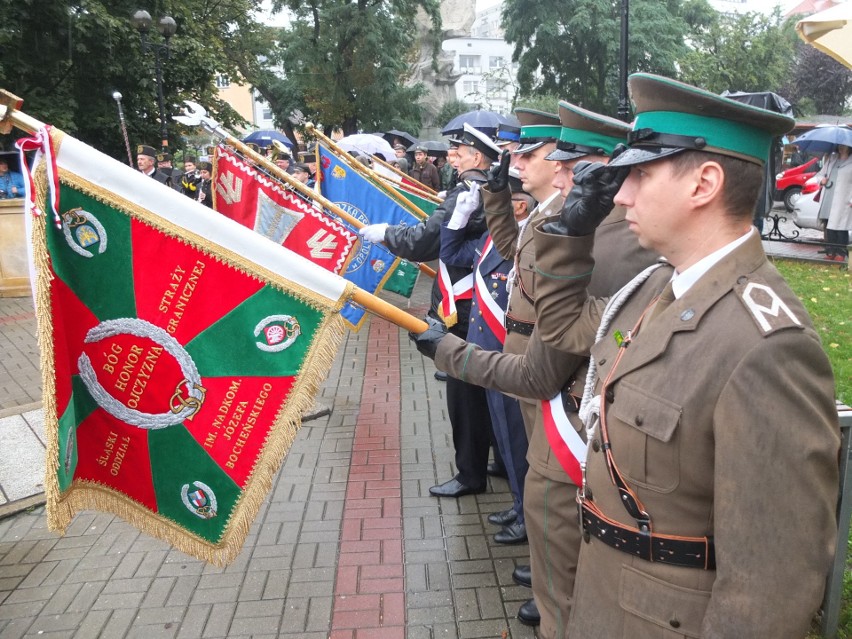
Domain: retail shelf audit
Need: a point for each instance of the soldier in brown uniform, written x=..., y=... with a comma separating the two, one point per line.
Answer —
x=541, y=371
x=708, y=508
x=539, y=133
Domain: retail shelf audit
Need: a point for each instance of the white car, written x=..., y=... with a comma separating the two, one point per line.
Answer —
x=806, y=206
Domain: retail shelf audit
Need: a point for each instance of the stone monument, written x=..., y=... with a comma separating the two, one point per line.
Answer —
x=457, y=17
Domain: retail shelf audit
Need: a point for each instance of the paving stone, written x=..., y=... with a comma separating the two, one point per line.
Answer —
x=219, y=620
x=283, y=582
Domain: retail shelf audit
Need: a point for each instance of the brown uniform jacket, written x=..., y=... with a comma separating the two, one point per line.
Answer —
x=426, y=174
x=540, y=371
x=722, y=419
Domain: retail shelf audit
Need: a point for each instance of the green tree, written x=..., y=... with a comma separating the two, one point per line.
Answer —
x=66, y=57
x=344, y=63
x=570, y=48
x=547, y=102
x=749, y=52
x=818, y=84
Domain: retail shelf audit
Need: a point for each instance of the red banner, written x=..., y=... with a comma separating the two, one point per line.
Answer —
x=261, y=204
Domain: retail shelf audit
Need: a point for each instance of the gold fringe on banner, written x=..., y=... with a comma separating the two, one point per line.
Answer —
x=82, y=495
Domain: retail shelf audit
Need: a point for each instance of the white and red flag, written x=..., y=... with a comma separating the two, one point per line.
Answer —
x=254, y=200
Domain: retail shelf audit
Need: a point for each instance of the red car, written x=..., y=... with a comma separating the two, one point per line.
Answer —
x=788, y=184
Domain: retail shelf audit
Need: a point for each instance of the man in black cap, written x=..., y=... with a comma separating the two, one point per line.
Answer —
x=205, y=187
x=709, y=497
x=466, y=404
x=423, y=170
x=401, y=157
x=164, y=165
x=146, y=157
x=191, y=177
x=508, y=137
x=309, y=159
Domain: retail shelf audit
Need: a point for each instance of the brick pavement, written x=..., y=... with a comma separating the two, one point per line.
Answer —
x=309, y=567
x=20, y=376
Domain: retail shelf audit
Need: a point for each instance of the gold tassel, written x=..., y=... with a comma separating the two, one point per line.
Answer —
x=82, y=495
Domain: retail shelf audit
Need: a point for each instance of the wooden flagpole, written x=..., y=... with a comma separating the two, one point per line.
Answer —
x=421, y=189
x=282, y=175
x=279, y=173
x=10, y=116
x=404, y=186
x=364, y=170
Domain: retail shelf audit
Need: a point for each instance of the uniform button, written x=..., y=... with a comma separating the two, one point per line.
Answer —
x=480, y=313
x=602, y=362
x=494, y=285
x=480, y=328
x=596, y=446
x=638, y=420
x=742, y=279
x=610, y=395
x=687, y=315
x=674, y=623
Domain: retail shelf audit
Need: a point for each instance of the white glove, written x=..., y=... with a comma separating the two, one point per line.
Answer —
x=466, y=204
x=374, y=233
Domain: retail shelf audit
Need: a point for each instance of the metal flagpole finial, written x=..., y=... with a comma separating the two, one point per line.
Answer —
x=196, y=115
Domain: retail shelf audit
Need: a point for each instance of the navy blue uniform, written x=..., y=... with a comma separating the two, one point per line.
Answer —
x=506, y=418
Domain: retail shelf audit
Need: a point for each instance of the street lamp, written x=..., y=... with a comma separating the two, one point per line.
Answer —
x=166, y=26
x=116, y=95
x=623, y=105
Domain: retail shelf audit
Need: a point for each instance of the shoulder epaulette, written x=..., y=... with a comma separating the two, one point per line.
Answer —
x=765, y=306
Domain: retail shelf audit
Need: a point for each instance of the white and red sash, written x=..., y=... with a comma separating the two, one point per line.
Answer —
x=565, y=441
x=493, y=315
x=450, y=293
x=40, y=141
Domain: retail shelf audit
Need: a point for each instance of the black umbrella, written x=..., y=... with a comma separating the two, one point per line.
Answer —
x=763, y=99
x=485, y=121
x=263, y=138
x=432, y=147
x=402, y=137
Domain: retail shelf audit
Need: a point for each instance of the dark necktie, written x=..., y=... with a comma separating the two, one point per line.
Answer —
x=663, y=302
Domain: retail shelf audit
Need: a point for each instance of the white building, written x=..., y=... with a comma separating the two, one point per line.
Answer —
x=488, y=76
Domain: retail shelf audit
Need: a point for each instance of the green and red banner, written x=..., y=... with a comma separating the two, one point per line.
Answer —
x=254, y=200
x=179, y=352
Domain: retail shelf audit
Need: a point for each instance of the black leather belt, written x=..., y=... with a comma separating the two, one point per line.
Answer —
x=691, y=552
x=517, y=326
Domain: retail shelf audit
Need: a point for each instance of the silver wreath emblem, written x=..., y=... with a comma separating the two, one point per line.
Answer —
x=148, y=421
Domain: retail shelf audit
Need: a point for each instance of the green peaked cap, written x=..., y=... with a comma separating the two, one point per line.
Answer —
x=585, y=132
x=537, y=128
x=672, y=116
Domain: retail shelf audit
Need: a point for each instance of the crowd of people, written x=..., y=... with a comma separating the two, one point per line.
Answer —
x=625, y=346
x=195, y=178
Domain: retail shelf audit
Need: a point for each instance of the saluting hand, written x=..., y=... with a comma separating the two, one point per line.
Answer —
x=498, y=175
x=466, y=203
x=590, y=200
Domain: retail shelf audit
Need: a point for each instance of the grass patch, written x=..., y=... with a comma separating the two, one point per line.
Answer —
x=826, y=291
